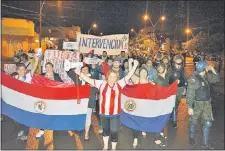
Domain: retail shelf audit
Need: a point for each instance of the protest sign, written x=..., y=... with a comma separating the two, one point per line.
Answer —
x=112, y=44
x=55, y=57
x=9, y=68
x=91, y=60
x=70, y=45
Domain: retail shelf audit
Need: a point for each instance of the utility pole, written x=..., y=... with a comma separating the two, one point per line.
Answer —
x=146, y=11
x=208, y=28
x=82, y=17
x=188, y=3
x=40, y=20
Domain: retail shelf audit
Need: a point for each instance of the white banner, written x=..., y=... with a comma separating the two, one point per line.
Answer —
x=91, y=60
x=9, y=68
x=70, y=45
x=55, y=57
x=112, y=44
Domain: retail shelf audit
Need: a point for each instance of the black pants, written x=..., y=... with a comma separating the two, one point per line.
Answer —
x=111, y=126
x=157, y=136
x=92, y=98
x=219, y=68
x=135, y=133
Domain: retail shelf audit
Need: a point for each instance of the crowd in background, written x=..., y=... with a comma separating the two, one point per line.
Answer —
x=157, y=69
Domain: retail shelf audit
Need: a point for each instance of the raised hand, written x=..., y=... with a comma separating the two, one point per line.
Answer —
x=131, y=60
x=100, y=62
x=136, y=63
x=77, y=71
x=190, y=111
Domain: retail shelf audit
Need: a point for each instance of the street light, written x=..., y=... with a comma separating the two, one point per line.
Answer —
x=101, y=34
x=146, y=17
x=163, y=18
x=188, y=31
x=93, y=26
x=132, y=30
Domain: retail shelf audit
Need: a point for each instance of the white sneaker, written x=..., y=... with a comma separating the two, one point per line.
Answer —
x=144, y=134
x=24, y=138
x=20, y=133
x=162, y=134
x=100, y=131
x=39, y=134
x=135, y=143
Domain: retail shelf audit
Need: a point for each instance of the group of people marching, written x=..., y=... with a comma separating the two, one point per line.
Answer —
x=112, y=74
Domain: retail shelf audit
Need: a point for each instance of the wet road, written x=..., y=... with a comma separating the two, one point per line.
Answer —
x=177, y=138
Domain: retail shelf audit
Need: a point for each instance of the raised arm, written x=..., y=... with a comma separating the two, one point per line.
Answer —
x=212, y=76
x=35, y=65
x=132, y=71
x=85, y=78
x=134, y=78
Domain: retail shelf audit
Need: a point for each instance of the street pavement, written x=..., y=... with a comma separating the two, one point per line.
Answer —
x=177, y=138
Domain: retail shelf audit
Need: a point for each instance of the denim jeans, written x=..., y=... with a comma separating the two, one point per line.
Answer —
x=111, y=126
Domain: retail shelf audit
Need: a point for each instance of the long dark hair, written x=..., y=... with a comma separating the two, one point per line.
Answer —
x=123, y=68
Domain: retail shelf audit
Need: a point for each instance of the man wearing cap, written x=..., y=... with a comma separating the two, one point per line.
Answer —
x=177, y=72
x=199, y=101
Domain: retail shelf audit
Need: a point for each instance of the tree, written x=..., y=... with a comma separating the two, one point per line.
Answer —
x=72, y=33
x=202, y=43
x=216, y=43
x=143, y=41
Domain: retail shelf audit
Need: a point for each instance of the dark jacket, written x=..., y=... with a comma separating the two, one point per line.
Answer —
x=56, y=77
x=73, y=76
x=161, y=81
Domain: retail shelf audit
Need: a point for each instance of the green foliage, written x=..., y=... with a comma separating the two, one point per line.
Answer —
x=202, y=43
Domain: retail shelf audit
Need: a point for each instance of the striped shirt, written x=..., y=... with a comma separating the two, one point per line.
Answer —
x=110, y=97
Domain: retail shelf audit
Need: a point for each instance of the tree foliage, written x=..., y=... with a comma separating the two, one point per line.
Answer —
x=202, y=43
x=143, y=42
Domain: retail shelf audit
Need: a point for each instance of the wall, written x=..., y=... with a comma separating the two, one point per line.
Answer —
x=16, y=34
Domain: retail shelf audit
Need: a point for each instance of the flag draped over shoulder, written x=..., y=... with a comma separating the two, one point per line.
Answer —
x=45, y=103
x=147, y=107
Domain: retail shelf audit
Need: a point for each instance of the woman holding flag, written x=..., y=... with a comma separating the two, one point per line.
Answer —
x=51, y=75
x=110, y=101
x=141, y=79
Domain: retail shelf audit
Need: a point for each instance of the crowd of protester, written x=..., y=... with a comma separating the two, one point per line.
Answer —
x=131, y=68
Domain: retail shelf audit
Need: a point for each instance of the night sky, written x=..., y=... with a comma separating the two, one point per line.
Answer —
x=114, y=17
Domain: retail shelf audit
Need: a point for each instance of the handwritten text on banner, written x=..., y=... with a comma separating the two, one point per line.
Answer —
x=113, y=44
x=55, y=57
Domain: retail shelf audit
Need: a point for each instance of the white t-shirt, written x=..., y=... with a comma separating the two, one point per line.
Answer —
x=110, y=103
x=26, y=78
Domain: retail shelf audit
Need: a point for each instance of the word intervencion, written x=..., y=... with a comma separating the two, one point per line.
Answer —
x=101, y=43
